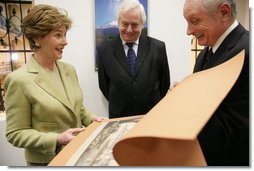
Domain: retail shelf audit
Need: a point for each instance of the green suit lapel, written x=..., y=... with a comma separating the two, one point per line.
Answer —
x=67, y=82
x=46, y=84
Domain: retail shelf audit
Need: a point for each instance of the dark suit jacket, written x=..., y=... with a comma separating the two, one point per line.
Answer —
x=225, y=138
x=136, y=95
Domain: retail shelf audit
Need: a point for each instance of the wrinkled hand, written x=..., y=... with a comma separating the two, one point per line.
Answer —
x=65, y=137
x=173, y=86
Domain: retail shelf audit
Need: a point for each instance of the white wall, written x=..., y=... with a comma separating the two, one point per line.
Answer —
x=165, y=22
x=242, y=9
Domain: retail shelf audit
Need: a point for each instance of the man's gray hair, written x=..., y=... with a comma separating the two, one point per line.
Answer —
x=212, y=5
x=129, y=5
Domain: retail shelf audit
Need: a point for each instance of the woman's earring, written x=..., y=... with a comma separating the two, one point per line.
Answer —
x=37, y=44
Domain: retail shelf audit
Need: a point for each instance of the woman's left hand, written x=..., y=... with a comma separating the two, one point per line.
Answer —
x=99, y=119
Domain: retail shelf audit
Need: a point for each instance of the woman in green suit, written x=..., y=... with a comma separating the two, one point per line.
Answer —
x=44, y=102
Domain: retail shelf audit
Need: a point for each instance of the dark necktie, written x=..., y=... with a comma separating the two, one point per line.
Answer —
x=131, y=58
x=208, y=55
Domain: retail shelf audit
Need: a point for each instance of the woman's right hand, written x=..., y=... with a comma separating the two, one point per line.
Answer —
x=65, y=137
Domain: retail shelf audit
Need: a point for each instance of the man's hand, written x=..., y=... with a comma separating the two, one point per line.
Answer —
x=173, y=86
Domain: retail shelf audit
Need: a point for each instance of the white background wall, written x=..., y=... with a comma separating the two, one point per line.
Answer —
x=166, y=23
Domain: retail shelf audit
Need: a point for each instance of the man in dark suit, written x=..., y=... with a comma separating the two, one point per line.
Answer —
x=225, y=138
x=132, y=89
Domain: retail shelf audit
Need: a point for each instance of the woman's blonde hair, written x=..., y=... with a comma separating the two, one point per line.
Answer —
x=41, y=20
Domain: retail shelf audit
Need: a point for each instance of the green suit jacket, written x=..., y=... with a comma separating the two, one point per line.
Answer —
x=36, y=112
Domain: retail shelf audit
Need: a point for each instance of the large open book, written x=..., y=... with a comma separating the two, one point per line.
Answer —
x=166, y=135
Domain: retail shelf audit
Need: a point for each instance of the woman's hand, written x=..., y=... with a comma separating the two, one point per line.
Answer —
x=99, y=119
x=65, y=137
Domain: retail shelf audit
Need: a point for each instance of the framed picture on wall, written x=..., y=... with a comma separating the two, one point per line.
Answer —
x=106, y=27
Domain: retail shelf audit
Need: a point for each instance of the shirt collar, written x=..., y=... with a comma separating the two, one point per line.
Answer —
x=124, y=42
x=224, y=35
